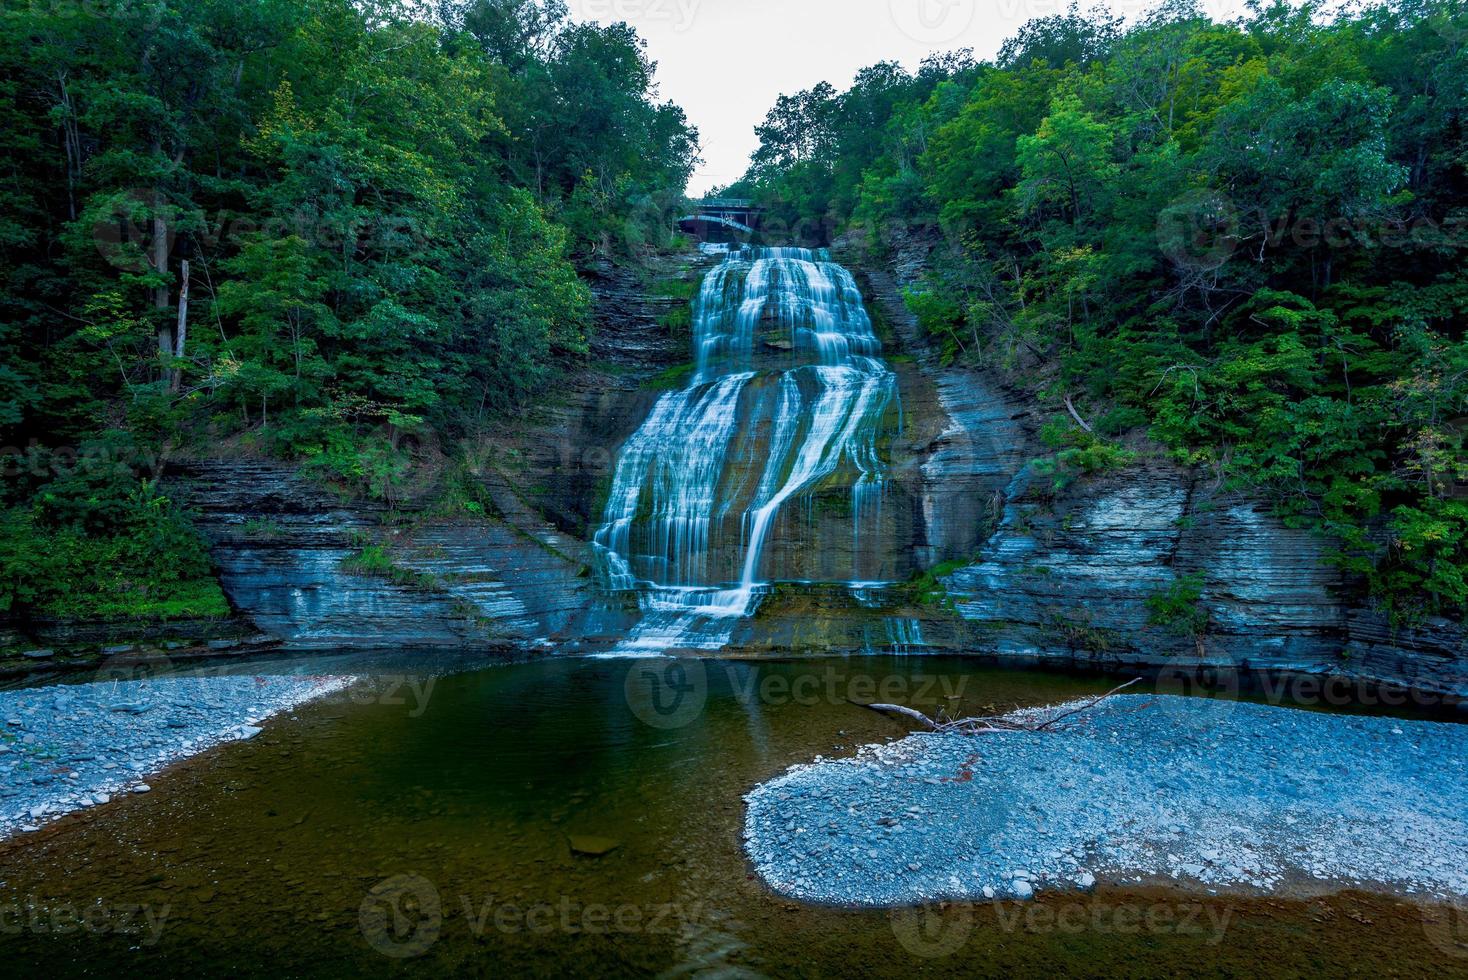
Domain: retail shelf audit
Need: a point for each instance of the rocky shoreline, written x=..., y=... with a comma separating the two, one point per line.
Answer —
x=69, y=747
x=1203, y=794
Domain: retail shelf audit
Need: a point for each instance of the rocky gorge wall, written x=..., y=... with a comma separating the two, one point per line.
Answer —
x=522, y=581
x=1069, y=577
x=1022, y=574
x=289, y=556
x=517, y=579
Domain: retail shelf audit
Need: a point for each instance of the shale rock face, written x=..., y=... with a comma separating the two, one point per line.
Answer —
x=283, y=550
x=1069, y=576
x=1432, y=658
x=520, y=581
x=965, y=439
x=283, y=545
x=1076, y=574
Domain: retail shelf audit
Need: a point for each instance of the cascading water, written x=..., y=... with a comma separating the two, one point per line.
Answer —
x=790, y=394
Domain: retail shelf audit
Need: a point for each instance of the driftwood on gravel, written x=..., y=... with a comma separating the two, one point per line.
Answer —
x=942, y=725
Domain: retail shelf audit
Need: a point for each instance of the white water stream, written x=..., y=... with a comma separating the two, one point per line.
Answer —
x=814, y=422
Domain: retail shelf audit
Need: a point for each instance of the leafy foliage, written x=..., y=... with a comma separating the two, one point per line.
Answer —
x=1080, y=453
x=1246, y=238
x=1178, y=607
x=89, y=543
x=381, y=205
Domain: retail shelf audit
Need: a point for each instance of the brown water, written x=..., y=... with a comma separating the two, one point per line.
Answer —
x=426, y=830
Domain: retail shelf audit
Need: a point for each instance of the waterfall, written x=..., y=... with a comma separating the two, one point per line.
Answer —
x=789, y=387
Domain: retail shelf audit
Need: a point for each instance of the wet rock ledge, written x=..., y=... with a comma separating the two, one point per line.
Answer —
x=284, y=549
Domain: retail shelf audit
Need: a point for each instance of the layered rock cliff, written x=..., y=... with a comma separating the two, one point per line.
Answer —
x=1101, y=573
x=290, y=560
x=1024, y=573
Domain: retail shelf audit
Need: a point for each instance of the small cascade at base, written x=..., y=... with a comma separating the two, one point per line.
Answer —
x=790, y=395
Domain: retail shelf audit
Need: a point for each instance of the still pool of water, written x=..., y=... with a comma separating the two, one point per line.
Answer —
x=426, y=825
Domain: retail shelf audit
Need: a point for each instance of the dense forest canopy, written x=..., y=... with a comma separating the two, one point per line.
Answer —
x=1246, y=239
x=315, y=227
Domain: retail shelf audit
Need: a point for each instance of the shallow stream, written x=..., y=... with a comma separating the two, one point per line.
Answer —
x=425, y=824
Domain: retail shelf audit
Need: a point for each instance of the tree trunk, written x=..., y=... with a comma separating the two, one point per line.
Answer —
x=73, y=144
x=1077, y=415
x=160, y=266
x=182, y=332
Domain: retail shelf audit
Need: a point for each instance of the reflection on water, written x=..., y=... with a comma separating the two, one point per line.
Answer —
x=431, y=824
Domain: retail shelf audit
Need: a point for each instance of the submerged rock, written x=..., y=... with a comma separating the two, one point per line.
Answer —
x=592, y=846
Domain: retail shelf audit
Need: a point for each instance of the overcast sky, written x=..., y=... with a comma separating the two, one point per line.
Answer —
x=726, y=61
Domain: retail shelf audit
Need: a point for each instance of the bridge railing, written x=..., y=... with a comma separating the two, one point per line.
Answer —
x=727, y=204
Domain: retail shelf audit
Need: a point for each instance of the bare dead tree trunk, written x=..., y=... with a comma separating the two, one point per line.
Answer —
x=902, y=711
x=1077, y=415
x=181, y=333
x=73, y=144
x=942, y=725
x=160, y=266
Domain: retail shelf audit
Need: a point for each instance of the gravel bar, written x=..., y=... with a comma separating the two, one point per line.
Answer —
x=69, y=747
x=1204, y=794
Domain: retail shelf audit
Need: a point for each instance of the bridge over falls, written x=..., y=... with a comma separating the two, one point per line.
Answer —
x=722, y=219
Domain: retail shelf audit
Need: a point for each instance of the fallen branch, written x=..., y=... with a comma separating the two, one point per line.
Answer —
x=1077, y=416
x=1088, y=705
x=897, y=710
x=994, y=724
